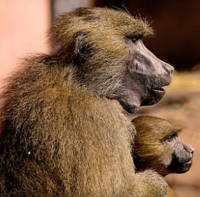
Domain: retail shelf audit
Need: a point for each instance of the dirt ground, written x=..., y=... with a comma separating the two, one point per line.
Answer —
x=181, y=104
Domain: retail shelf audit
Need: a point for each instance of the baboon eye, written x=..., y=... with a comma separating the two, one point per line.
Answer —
x=134, y=38
x=171, y=137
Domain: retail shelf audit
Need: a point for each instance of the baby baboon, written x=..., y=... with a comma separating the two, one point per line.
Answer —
x=62, y=131
x=157, y=146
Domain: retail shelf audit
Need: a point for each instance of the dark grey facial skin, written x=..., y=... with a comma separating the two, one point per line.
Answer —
x=145, y=78
x=137, y=78
x=181, y=156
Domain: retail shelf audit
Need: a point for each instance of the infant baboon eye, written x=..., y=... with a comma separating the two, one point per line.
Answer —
x=134, y=38
x=169, y=138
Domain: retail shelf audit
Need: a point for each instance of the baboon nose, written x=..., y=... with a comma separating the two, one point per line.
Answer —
x=192, y=150
x=169, y=69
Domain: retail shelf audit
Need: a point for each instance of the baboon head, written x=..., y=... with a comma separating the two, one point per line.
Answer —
x=157, y=146
x=105, y=48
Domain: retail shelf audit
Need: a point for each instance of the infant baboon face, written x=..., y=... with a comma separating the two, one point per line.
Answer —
x=107, y=49
x=181, y=154
x=157, y=146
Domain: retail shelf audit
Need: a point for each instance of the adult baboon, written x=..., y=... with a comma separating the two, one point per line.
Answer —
x=63, y=129
x=157, y=146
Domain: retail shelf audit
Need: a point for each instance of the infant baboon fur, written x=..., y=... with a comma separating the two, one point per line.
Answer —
x=63, y=132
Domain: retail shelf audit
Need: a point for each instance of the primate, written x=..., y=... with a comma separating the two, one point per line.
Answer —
x=157, y=146
x=64, y=119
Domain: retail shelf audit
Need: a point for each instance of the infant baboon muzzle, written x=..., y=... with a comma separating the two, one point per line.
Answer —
x=181, y=161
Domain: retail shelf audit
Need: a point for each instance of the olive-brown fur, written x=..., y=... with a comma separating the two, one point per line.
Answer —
x=60, y=134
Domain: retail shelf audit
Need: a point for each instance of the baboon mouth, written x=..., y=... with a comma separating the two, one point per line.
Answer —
x=180, y=168
x=159, y=91
x=154, y=96
x=188, y=163
x=186, y=166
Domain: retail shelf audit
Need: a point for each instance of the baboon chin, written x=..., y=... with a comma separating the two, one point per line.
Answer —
x=61, y=133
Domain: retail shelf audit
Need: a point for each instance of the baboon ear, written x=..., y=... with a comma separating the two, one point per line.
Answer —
x=82, y=49
x=80, y=39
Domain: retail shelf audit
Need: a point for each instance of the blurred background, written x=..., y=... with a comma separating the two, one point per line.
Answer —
x=24, y=29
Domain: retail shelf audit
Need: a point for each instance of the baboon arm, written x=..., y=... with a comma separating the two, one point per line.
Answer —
x=150, y=184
